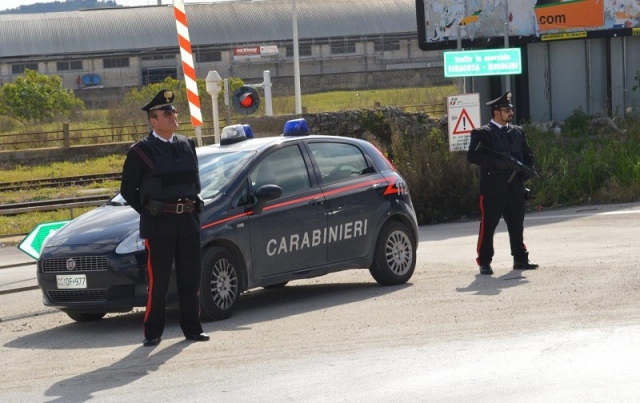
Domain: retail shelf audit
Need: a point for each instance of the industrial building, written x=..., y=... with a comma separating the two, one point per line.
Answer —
x=342, y=45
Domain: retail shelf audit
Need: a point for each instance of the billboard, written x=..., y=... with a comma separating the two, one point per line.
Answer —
x=483, y=23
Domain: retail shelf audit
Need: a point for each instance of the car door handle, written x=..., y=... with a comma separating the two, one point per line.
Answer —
x=379, y=186
x=317, y=202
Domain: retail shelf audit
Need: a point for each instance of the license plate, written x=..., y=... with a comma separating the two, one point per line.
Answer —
x=72, y=281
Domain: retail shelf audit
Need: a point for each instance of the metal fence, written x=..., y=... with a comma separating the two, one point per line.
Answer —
x=69, y=136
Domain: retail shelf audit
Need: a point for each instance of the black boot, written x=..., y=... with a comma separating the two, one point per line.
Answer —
x=524, y=264
x=486, y=269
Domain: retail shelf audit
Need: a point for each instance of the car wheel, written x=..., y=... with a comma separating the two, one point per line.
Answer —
x=219, y=284
x=85, y=317
x=395, y=256
x=274, y=286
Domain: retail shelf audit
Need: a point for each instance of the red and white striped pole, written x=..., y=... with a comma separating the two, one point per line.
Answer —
x=186, y=55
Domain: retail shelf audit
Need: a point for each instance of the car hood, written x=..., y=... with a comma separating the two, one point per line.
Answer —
x=103, y=225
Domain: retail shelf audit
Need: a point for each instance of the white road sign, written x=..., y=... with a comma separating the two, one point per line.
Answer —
x=463, y=112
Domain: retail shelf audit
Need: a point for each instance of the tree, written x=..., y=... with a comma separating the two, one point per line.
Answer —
x=37, y=97
x=129, y=110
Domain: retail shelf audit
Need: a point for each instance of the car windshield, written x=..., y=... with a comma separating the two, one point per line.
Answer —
x=216, y=171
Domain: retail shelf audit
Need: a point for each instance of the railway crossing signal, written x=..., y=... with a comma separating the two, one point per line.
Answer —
x=246, y=100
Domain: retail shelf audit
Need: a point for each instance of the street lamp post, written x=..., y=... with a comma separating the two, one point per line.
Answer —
x=214, y=85
x=296, y=61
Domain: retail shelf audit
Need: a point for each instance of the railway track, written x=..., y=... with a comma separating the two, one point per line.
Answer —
x=55, y=204
x=59, y=182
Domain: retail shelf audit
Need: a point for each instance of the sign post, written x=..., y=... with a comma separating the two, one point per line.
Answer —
x=32, y=243
x=463, y=112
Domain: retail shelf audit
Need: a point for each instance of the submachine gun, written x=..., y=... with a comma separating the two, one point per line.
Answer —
x=516, y=165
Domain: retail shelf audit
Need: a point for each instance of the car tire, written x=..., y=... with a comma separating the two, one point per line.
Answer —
x=395, y=256
x=85, y=317
x=219, y=284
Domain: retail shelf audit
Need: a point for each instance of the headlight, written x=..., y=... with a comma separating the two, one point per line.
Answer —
x=132, y=243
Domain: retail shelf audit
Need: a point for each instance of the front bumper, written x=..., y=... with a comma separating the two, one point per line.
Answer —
x=114, y=283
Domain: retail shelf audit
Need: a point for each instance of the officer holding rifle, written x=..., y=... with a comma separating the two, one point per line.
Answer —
x=501, y=151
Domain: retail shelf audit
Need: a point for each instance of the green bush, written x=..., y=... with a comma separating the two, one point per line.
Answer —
x=443, y=185
x=577, y=169
x=577, y=125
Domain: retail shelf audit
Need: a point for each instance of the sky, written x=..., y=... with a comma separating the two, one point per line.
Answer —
x=17, y=3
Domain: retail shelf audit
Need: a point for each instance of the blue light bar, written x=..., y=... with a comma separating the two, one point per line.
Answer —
x=296, y=127
x=247, y=131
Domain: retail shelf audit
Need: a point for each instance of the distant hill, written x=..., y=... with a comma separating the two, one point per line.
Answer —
x=57, y=6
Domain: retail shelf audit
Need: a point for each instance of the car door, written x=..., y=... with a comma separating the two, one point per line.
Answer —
x=354, y=198
x=287, y=235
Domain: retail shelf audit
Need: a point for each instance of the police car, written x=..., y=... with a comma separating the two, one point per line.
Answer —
x=277, y=209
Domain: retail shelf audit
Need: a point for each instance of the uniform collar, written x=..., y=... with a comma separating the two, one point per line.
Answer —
x=173, y=136
x=498, y=125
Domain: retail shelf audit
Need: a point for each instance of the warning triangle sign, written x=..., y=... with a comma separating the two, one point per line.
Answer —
x=465, y=121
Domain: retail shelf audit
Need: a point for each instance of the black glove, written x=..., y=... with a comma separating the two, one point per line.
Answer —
x=502, y=164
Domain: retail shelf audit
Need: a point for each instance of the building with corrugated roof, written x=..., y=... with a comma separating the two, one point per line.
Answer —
x=342, y=44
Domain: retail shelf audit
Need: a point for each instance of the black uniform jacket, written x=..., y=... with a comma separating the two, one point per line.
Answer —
x=493, y=181
x=137, y=168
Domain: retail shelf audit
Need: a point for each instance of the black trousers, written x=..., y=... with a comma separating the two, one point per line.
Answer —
x=512, y=209
x=161, y=254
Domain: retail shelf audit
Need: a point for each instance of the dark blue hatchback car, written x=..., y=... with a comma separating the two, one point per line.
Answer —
x=277, y=209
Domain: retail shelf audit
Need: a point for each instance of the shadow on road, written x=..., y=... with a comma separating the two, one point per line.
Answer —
x=263, y=305
x=131, y=368
x=255, y=306
x=489, y=285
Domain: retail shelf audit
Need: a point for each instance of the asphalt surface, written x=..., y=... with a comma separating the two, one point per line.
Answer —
x=17, y=269
x=566, y=332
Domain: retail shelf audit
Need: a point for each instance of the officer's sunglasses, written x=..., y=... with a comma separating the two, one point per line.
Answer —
x=507, y=109
x=168, y=113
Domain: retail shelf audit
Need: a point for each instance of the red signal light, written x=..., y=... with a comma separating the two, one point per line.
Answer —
x=245, y=100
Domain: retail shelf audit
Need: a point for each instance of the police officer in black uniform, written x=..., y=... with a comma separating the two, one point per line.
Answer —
x=501, y=192
x=160, y=181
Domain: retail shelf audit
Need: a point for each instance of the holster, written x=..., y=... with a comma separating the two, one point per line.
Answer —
x=199, y=204
x=155, y=207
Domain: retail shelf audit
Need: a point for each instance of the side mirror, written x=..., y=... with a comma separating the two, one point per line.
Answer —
x=264, y=194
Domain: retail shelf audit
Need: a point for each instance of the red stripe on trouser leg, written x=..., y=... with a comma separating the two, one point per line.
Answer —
x=481, y=234
x=150, y=272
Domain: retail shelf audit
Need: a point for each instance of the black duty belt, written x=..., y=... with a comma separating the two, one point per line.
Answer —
x=179, y=208
x=174, y=208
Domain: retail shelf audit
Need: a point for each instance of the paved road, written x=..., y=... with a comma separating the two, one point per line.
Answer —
x=17, y=269
x=567, y=332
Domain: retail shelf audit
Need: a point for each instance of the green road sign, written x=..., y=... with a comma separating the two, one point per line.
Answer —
x=32, y=243
x=470, y=63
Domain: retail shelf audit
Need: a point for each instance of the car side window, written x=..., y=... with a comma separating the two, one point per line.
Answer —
x=285, y=168
x=243, y=198
x=339, y=161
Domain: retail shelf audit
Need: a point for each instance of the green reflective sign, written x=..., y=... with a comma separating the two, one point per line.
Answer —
x=470, y=63
x=32, y=243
